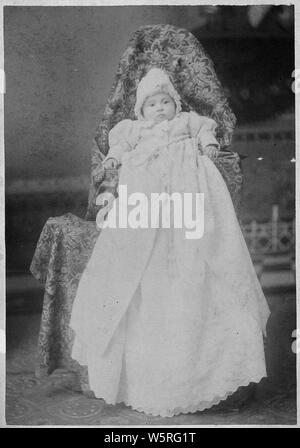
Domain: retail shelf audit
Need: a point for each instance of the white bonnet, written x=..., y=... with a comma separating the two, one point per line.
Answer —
x=155, y=81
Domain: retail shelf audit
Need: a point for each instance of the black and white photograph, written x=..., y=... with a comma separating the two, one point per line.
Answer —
x=149, y=180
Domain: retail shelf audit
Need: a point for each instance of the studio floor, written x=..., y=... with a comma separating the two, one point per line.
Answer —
x=58, y=400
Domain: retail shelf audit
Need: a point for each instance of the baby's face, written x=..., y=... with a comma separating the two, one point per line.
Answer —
x=159, y=107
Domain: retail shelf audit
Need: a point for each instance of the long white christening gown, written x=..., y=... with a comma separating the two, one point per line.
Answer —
x=162, y=343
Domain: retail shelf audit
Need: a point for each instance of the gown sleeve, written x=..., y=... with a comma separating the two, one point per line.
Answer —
x=118, y=140
x=204, y=130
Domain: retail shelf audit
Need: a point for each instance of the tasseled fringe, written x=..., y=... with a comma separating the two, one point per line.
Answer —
x=172, y=262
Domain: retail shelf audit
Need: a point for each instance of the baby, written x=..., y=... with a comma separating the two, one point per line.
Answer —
x=160, y=102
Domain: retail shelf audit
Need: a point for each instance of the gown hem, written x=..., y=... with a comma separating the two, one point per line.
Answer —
x=191, y=408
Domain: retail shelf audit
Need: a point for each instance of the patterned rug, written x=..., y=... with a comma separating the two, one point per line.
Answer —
x=57, y=399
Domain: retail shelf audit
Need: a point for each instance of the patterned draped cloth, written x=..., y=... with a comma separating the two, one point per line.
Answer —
x=66, y=242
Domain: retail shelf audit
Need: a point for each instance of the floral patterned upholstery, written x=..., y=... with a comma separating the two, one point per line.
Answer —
x=66, y=242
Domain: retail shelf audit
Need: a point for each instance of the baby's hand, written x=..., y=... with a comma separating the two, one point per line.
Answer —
x=211, y=151
x=111, y=163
